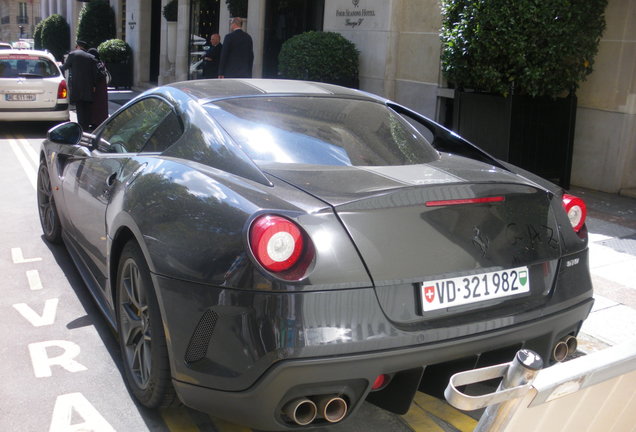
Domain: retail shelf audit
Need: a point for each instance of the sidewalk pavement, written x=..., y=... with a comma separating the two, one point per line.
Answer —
x=117, y=98
x=611, y=225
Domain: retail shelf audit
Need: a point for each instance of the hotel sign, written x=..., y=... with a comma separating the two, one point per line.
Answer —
x=357, y=14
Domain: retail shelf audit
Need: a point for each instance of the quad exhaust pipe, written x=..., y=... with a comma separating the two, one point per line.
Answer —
x=332, y=408
x=303, y=411
x=564, y=348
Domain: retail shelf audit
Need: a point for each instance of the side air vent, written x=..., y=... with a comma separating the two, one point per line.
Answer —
x=200, y=340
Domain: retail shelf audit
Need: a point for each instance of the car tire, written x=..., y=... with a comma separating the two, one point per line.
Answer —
x=140, y=332
x=49, y=219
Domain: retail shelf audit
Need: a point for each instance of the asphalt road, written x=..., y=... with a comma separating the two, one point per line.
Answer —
x=60, y=363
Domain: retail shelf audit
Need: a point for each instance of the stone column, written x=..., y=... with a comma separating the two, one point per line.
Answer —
x=224, y=20
x=256, y=28
x=183, y=41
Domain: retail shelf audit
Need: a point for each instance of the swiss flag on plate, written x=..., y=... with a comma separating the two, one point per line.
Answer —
x=429, y=293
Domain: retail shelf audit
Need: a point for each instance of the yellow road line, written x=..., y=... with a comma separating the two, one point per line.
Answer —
x=178, y=420
x=224, y=426
x=419, y=420
x=443, y=411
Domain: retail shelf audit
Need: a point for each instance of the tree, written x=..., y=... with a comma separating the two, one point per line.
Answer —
x=96, y=23
x=534, y=47
x=37, y=36
x=237, y=8
x=55, y=36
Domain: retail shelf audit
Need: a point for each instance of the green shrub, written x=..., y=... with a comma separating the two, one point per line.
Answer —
x=237, y=8
x=114, y=51
x=320, y=56
x=534, y=47
x=56, y=34
x=96, y=23
x=37, y=36
x=171, y=11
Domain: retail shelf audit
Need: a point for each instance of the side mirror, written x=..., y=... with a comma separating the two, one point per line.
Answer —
x=65, y=133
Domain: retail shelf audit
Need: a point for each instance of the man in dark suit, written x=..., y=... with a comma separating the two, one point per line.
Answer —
x=212, y=57
x=237, y=56
x=82, y=79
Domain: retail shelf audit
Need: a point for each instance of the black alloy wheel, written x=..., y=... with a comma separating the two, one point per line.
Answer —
x=47, y=210
x=141, y=336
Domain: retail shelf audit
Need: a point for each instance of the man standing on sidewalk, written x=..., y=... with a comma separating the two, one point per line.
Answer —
x=212, y=57
x=237, y=56
x=82, y=79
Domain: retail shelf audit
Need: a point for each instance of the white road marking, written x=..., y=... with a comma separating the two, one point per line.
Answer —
x=37, y=320
x=42, y=362
x=68, y=407
x=20, y=149
x=18, y=257
x=33, y=276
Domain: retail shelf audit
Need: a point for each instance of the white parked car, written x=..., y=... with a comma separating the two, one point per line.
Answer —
x=32, y=87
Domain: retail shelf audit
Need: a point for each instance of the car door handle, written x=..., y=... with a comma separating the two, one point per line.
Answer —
x=110, y=181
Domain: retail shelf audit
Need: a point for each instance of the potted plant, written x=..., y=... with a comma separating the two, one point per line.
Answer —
x=117, y=55
x=320, y=56
x=515, y=67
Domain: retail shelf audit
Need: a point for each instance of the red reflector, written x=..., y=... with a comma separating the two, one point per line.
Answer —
x=465, y=201
x=379, y=382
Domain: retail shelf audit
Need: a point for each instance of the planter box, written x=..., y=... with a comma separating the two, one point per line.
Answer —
x=535, y=134
x=121, y=74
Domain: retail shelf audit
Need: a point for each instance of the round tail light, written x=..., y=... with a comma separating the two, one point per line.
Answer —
x=576, y=210
x=276, y=242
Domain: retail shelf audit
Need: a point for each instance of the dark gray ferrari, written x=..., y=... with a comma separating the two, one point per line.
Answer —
x=277, y=252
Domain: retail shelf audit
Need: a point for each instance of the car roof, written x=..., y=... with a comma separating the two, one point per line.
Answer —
x=30, y=52
x=216, y=89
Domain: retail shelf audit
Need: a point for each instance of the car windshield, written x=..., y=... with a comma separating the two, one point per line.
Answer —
x=321, y=131
x=26, y=65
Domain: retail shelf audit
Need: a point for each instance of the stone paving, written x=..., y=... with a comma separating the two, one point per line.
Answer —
x=612, y=226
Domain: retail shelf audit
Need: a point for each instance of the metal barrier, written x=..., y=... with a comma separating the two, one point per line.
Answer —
x=596, y=392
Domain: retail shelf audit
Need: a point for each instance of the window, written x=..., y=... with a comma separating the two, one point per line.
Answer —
x=165, y=135
x=149, y=125
x=23, y=15
x=322, y=131
x=26, y=66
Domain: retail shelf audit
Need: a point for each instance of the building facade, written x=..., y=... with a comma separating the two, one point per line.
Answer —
x=399, y=58
x=18, y=19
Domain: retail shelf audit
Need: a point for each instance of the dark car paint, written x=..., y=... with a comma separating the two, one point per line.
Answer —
x=190, y=208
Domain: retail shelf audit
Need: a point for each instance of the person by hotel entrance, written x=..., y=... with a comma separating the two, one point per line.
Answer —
x=212, y=57
x=237, y=56
x=82, y=79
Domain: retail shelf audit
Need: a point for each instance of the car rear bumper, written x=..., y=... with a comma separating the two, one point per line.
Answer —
x=243, y=355
x=59, y=113
x=351, y=376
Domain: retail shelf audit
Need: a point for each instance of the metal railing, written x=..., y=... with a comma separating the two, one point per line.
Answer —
x=589, y=393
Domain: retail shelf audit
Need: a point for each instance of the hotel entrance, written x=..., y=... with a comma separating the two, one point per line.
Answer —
x=283, y=20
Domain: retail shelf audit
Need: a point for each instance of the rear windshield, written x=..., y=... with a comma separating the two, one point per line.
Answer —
x=25, y=65
x=321, y=131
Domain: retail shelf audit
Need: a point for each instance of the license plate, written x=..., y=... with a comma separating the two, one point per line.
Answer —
x=445, y=293
x=20, y=97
